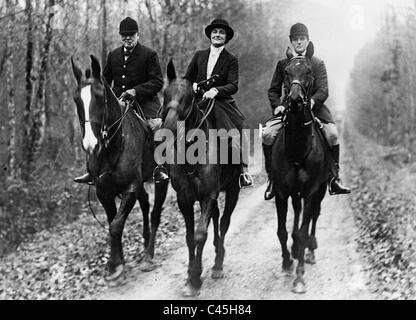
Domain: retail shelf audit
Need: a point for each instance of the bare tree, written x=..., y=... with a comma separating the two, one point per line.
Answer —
x=37, y=130
x=104, y=31
x=11, y=145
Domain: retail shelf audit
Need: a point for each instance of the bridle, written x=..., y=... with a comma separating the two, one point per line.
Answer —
x=105, y=129
x=306, y=97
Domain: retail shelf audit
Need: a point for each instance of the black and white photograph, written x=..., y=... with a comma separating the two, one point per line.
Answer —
x=231, y=151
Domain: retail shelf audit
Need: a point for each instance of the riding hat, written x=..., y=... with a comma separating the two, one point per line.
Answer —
x=298, y=29
x=220, y=23
x=128, y=26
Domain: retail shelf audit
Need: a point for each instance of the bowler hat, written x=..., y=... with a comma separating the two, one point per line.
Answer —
x=298, y=29
x=128, y=26
x=220, y=23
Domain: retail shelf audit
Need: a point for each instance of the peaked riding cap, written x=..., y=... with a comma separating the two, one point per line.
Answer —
x=128, y=26
x=298, y=29
x=220, y=23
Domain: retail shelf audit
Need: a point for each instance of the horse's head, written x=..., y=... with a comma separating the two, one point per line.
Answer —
x=298, y=79
x=92, y=98
x=178, y=97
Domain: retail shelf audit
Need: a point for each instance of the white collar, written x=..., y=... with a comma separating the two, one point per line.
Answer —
x=215, y=50
x=295, y=54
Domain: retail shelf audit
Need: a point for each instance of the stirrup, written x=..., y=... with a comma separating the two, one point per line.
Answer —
x=247, y=177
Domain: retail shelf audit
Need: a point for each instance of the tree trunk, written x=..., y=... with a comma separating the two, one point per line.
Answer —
x=87, y=25
x=13, y=173
x=27, y=119
x=104, y=32
x=37, y=131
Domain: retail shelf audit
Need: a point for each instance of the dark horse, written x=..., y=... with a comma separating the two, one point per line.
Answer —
x=200, y=182
x=120, y=159
x=300, y=166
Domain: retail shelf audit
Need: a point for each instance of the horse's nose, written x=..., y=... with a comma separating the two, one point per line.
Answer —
x=295, y=93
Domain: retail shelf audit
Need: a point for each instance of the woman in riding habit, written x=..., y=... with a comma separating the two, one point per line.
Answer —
x=217, y=61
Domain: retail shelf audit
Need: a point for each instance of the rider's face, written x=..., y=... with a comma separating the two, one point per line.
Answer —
x=130, y=41
x=218, y=37
x=300, y=43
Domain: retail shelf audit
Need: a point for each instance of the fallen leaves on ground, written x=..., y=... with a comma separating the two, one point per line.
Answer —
x=384, y=205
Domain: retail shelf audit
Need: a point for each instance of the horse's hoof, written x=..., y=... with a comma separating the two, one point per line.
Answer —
x=190, y=291
x=147, y=266
x=310, y=257
x=116, y=278
x=217, y=274
x=299, y=286
x=288, y=267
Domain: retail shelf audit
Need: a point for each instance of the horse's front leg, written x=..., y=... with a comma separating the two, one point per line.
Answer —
x=186, y=206
x=160, y=196
x=231, y=198
x=161, y=190
x=281, y=206
x=312, y=242
x=143, y=198
x=310, y=206
x=116, y=261
x=297, y=208
x=201, y=235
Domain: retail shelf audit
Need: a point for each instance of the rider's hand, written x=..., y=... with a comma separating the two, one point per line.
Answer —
x=278, y=110
x=312, y=103
x=195, y=87
x=211, y=94
x=128, y=94
x=121, y=102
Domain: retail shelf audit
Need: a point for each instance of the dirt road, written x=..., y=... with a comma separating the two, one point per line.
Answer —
x=253, y=259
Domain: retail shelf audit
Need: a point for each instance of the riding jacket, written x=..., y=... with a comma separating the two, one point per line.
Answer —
x=141, y=71
x=319, y=92
x=227, y=113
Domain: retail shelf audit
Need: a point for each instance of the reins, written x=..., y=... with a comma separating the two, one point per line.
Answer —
x=92, y=211
x=204, y=117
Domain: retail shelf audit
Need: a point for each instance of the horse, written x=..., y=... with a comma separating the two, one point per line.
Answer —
x=120, y=158
x=202, y=183
x=300, y=167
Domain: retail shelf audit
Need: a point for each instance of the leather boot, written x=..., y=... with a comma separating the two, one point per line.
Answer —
x=86, y=178
x=335, y=184
x=160, y=174
x=269, y=193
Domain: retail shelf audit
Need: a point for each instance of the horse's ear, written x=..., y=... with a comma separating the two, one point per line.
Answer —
x=95, y=66
x=76, y=70
x=310, y=50
x=289, y=53
x=171, y=72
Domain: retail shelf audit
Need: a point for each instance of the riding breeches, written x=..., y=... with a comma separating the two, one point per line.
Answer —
x=273, y=126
